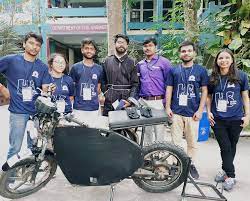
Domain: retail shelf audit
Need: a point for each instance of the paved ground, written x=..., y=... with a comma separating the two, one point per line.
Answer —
x=59, y=189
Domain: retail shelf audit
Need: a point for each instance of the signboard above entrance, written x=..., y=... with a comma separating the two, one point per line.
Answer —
x=79, y=28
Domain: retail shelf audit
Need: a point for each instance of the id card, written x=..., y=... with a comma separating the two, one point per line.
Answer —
x=27, y=93
x=115, y=104
x=222, y=106
x=86, y=93
x=60, y=105
x=183, y=100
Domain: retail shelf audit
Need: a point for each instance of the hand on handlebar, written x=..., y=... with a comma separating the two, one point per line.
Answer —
x=47, y=89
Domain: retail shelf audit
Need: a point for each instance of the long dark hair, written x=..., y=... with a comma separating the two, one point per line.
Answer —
x=232, y=73
x=51, y=59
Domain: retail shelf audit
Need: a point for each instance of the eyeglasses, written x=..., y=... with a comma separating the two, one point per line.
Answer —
x=62, y=63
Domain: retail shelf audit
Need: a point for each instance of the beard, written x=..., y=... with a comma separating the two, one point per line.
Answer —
x=32, y=53
x=88, y=57
x=186, y=60
x=120, y=50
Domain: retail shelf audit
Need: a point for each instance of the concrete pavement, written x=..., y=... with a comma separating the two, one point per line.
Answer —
x=59, y=189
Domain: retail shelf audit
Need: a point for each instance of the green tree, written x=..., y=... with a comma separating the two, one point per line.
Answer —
x=9, y=42
x=230, y=27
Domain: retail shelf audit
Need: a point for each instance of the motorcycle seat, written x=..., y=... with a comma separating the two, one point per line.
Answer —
x=120, y=120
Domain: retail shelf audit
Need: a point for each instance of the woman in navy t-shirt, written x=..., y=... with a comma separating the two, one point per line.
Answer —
x=64, y=92
x=228, y=111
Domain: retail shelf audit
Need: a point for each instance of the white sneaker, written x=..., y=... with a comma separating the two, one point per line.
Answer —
x=229, y=184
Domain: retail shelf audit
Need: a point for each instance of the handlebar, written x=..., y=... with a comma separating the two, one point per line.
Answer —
x=71, y=118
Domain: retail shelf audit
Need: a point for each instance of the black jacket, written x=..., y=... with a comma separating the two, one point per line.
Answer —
x=119, y=72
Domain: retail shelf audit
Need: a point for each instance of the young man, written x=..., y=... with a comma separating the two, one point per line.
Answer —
x=184, y=103
x=25, y=73
x=153, y=72
x=120, y=79
x=87, y=76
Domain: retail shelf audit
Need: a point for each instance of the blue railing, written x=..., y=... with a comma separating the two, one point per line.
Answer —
x=76, y=12
x=153, y=25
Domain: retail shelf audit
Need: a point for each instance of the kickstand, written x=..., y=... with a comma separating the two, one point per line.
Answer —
x=197, y=185
x=112, y=192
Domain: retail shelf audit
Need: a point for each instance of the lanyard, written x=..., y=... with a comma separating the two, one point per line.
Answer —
x=223, y=88
x=27, y=72
x=59, y=96
x=61, y=81
x=87, y=76
x=186, y=79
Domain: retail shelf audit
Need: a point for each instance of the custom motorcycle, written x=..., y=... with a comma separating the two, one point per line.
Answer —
x=91, y=156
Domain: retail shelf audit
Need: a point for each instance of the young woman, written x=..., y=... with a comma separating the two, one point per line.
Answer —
x=228, y=111
x=64, y=91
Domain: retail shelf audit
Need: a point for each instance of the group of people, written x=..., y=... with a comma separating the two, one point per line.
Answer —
x=183, y=91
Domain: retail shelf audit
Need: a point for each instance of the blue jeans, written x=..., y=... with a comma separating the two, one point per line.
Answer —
x=17, y=124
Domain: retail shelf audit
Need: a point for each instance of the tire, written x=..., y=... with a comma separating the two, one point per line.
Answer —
x=169, y=172
x=23, y=172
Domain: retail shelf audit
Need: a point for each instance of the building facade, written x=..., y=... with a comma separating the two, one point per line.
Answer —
x=64, y=23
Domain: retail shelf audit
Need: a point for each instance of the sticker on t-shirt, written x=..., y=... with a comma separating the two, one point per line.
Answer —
x=183, y=100
x=86, y=93
x=94, y=76
x=222, y=106
x=27, y=93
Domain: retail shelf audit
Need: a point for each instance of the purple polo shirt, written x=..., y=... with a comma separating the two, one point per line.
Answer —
x=153, y=76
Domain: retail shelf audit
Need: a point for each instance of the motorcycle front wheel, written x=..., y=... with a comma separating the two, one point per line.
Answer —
x=27, y=177
x=164, y=168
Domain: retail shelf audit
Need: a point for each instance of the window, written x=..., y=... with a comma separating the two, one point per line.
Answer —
x=216, y=2
x=135, y=16
x=148, y=16
x=167, y=5
x=142, y=11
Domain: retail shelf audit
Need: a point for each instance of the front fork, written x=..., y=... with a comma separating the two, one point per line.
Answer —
x=44, y=147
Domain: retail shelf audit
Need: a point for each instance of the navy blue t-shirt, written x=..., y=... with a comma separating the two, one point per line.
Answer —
x=231, y=92
x=21, y=74
x=64, y=89
x=187, y=81
x=86, y=77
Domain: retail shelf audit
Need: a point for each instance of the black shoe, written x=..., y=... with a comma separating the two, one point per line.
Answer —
x=193, y=172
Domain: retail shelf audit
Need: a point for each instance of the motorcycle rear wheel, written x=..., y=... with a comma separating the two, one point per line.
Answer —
x=166, y=166
x=27, y=177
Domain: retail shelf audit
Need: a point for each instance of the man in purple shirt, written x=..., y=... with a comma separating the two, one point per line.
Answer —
x=152, y=72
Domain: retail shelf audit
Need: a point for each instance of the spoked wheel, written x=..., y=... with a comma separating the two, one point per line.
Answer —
x=27, y=177
x=164, y=168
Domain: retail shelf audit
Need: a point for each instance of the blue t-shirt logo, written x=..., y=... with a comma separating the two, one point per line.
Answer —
x=65, y=88
x=94, y=77
x=21, y=83
x=191, y=78
x=35, y=74
x=189, y=91
x=229, y=97
x=230, y=85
